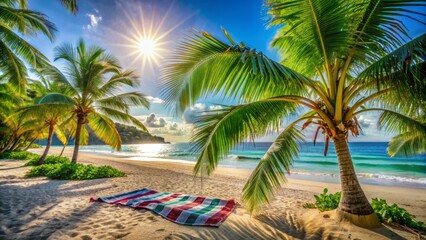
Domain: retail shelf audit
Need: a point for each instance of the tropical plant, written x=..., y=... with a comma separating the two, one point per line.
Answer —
x=338, y=56
x=395, y=214
x=94, y=81
x=14, y=16
x=327, y=201
x=52, y=114
x=17, y=22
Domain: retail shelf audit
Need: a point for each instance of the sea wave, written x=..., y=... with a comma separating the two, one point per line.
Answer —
x=392, y=178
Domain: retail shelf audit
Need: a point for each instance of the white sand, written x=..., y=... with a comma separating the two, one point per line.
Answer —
x=38, y=208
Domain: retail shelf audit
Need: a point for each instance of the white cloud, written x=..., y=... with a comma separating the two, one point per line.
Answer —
x=94, y=20
x=154, y=99
x=153, y=121
x=199, y=109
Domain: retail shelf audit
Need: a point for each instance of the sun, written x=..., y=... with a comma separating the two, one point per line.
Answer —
x=147, y=47
x=144, y=38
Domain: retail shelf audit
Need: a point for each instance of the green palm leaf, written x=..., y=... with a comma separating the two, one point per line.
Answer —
x=402, y=68
x=104, y=128
x=204, y=64
x=411, y=139
x=407, y=144
x=219, y=131
x=269, y=173
x=312, y=32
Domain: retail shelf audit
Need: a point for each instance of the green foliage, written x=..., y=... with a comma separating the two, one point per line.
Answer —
x=395, y=214
x=325, y=201
x=69, y=171
x=49, y=160
x=19, y=155
x=35, y=145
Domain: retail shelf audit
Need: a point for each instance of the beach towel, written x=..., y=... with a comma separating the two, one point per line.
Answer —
x=178, y=208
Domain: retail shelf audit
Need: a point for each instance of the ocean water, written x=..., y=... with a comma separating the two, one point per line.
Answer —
x=371, y=161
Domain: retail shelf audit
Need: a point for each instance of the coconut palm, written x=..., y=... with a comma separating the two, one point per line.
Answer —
x=95, y=83
x=14, y=16
x=54, y=113
x=340, y=59
x=16, y=20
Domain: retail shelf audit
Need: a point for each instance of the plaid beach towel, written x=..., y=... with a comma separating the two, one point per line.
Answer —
x=178, y=208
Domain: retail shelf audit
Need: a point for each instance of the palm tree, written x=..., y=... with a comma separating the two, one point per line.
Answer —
x=14, y=16
x=17, y=20
x=338, y=56
x=95, y=82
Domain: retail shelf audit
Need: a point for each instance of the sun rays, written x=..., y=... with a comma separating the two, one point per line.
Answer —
x=144, y=37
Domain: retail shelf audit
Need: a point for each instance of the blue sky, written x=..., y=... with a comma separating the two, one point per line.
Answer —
x=108, y=23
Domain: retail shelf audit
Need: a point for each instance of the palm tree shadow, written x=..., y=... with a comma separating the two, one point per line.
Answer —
x=21, y=212
x=285, y=226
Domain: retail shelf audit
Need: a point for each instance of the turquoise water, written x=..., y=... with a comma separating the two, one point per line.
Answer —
x=372, y=164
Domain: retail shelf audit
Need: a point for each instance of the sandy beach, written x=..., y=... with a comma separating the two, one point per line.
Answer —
x=39, y=208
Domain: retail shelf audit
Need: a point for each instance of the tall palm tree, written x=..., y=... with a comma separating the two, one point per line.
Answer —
x=95, y=83
x=338, y=56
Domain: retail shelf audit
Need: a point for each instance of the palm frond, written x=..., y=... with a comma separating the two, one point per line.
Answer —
x=394, y=122
x=269, y=173
x=27, y=22
x=407, y=144
x=204, y=64
x=403, y=68
x=411, y=138
x=217, y=132
x=122, y=101
x=312, y=32
x=121, y=116
x=104, y=128
x=70, y=5
x=379, y=27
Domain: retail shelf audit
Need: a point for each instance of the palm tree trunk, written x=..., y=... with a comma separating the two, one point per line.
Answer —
x=15, y=143
x=29, y=145
x=49, y=142
x=65, y=144
x=353, y=205
x=77, y=140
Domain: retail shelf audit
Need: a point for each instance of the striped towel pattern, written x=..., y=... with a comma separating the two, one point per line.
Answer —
x=178, y=208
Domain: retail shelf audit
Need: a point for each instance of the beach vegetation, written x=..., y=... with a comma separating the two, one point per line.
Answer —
x=49, y=160
x=325, y=201
x=340, y=59
x=385, y=212
x=18, y=56
x=395, y=214
x=73, y=171
x=19, y=155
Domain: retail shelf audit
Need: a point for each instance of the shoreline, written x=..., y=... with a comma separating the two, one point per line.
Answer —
x=364, y=178
x=56, y=209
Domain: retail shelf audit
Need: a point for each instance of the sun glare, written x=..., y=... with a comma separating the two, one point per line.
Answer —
x=144, y=37
x=147, y=47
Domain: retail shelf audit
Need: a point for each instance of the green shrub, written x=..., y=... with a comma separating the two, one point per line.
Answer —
x=395, y=214
x=49, y=160
x=325, y=202
x=69, y=171
x=19, y=155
